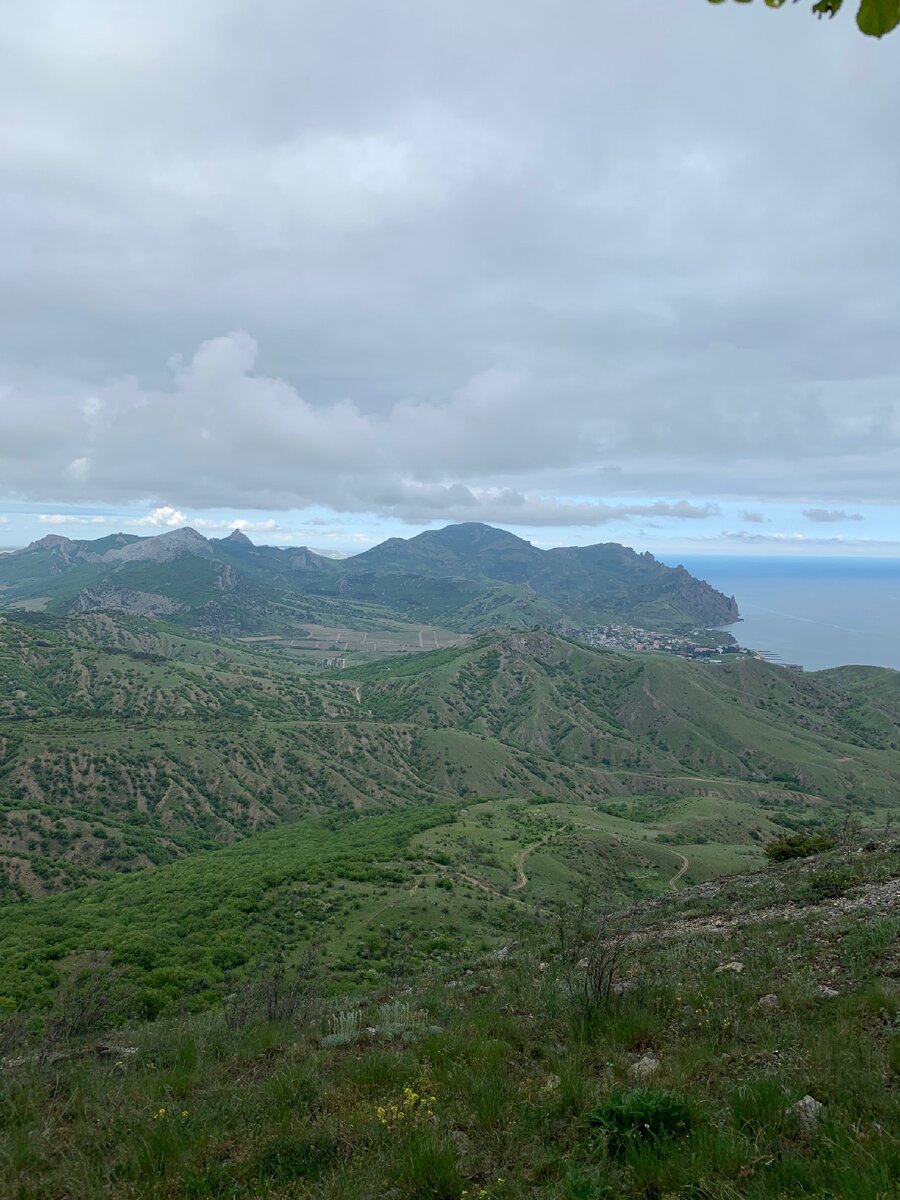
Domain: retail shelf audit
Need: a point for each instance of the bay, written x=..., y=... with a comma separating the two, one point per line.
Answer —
x=817, y=612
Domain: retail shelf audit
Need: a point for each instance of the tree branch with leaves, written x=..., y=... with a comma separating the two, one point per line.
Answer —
x=875, y=17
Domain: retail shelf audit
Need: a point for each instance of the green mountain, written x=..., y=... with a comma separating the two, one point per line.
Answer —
x=127, y=743
x=467, y=577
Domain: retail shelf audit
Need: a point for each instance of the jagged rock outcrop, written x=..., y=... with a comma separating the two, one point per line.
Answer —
x=112, y=599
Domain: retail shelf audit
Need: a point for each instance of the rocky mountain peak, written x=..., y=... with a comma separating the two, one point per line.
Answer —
x=50, y=541
x=163, y=548
x=237, y=538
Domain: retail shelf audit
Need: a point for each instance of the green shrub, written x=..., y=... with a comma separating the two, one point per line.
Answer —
x=826, y=885
x=632, y=1118
x=798, y=845
x=894, y=1054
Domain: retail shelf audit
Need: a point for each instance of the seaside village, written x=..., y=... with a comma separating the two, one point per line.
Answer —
x=695, y=644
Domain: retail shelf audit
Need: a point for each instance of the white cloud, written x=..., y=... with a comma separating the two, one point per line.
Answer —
x=802, y=539
x=241, y=523
x=245, y=526
x=79, y=469
x=72, y=519
x=223, y=433
x=165, y=516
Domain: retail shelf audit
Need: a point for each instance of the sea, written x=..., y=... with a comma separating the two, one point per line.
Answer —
x=815, y=612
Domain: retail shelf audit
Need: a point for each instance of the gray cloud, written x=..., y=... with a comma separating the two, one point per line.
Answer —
x=829, y=516
x=753, y=518
x=222, y=432
x=499, y=263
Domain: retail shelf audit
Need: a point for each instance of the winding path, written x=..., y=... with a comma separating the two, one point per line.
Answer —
x=521, y=877
x=685, y=865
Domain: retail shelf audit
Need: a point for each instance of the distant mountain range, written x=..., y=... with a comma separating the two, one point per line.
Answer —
x=467, y=577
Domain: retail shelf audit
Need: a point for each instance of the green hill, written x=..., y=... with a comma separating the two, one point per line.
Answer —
x=129, y=746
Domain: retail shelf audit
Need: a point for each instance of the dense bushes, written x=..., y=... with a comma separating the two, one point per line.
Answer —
x=798, y=845
x=175, y=933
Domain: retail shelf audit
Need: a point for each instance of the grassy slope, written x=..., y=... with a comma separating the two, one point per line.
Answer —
x=505, y=741
x=745, y=719
x=511, y=1067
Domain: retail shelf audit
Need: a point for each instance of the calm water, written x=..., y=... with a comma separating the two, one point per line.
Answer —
x=819, y=612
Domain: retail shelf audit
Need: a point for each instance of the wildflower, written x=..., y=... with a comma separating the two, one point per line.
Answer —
x=159, y=1114
x=184, y=1114
x=411, y=1107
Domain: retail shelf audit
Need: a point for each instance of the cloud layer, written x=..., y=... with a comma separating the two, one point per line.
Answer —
x=492, y=263
x=830, y=516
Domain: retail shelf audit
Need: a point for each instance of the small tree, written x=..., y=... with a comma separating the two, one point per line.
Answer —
x=798, y=845
x=87, y=1003
x=276, y=993
x=592, y=947
x=888, y=823
x=848, y=834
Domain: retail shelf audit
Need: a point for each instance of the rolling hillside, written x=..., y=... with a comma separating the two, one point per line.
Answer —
x=126, y=743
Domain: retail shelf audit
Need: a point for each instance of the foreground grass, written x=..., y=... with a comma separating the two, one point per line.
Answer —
x=490, y=1080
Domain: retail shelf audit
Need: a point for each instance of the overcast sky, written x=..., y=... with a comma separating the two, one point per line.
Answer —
x=591, y=269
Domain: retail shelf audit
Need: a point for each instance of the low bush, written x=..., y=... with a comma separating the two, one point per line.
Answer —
x=632, y=1118
x=826, y=885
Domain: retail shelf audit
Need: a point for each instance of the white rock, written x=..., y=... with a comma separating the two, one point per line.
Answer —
x=769, y=1003
x=826, y=992
x=644, y=1067
x=807, y=1112
x=736, y=967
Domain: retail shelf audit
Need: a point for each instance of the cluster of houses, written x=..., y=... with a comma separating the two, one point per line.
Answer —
x=685, y=645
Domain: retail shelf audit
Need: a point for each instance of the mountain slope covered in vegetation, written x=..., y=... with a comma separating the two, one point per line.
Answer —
x=126, y=743
x=465, y=577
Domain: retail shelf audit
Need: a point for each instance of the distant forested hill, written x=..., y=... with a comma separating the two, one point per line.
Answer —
x=467, y=577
